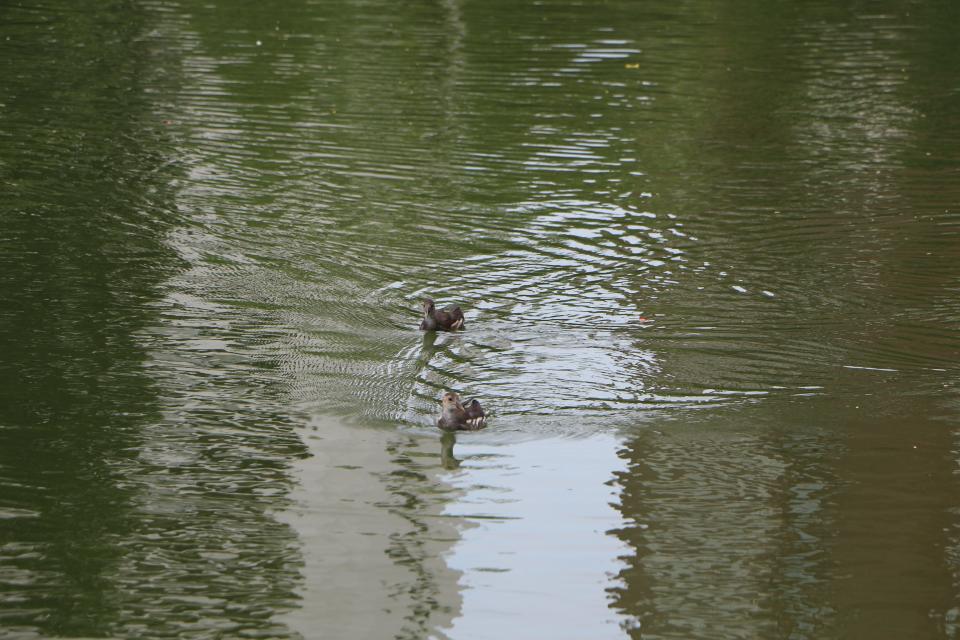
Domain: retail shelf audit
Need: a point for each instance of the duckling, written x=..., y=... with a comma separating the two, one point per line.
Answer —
x=457, y=416
x=446, y=319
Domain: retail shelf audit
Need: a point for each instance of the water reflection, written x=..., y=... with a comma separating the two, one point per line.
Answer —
x=448, y=458
x=134, y=487
x=708, y=258
x=750, y=519
x=82, y=258
x=532, y=503
x=808, y=485
x=368, y=512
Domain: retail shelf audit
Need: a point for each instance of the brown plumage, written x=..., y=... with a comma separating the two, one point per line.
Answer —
x=447, y=319
x=457, y=416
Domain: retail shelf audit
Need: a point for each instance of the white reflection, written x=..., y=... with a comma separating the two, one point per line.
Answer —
x=539, y=561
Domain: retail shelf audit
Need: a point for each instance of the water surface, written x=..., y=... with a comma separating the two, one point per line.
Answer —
x=710, y=261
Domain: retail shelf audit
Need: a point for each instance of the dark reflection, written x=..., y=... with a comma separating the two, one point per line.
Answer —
x=428, y=349
x=87, y=201
x=135, y=478
x=767, y=522
x=731, y=522
x=447, y=458
x=808, y=517
x=892, y=519
x=801, y=565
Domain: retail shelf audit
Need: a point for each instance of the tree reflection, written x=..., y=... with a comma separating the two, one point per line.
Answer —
x=87, y=204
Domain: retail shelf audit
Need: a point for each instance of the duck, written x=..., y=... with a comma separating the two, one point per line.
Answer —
x=447, y=319
x=460, y=416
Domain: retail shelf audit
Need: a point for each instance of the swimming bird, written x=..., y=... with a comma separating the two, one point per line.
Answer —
x=457, y=416
x=447, y=319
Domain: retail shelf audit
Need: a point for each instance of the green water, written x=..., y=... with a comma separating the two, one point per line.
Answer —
x=709, y=254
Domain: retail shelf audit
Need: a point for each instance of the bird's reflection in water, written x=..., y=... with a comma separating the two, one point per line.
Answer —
x=428, y=349
x=447, y=459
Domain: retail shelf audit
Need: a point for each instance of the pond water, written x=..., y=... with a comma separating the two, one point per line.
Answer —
x=709, y=254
